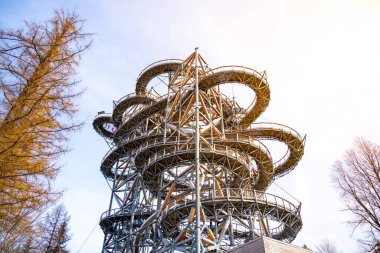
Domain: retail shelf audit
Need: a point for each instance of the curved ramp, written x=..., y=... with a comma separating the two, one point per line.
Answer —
x=98, y=125
x=246, y=76
x=278, y=209
x=126, y=102
x=284, y=134
x=153, y=70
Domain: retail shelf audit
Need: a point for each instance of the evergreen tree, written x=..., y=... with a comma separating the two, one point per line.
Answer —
x=55, y=231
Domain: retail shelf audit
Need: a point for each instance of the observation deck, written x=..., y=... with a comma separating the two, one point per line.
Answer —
x=151, y=162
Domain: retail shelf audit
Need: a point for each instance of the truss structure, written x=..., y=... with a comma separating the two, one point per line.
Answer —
x=151, y=163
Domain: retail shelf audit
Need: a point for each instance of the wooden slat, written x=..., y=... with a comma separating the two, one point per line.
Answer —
x=187, y=109
x=219, y=188
x=177, y=198
x=210, y=234
x=192, y=214
x=207, y=241
x=216, y=100
x=168, y=196
x=175, y=101
x=205, y=108
x=264, y=226
x=181, y=235
x=203, y=215
x=205, y=141
x=189, y=67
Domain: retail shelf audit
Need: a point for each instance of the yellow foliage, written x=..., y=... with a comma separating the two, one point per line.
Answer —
x=37, y=66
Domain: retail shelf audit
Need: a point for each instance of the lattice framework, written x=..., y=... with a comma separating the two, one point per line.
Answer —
x=151, y=163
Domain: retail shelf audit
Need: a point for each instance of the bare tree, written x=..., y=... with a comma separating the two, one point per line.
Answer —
x=357, y=179
x=326, y=246
x=37, y=91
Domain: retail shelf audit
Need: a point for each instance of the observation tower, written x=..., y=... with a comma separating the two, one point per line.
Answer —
x=188, y=166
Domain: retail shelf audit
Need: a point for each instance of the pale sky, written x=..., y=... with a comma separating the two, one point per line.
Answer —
x=322, y=60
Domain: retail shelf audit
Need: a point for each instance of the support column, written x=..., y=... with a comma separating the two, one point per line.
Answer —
x=197, y=167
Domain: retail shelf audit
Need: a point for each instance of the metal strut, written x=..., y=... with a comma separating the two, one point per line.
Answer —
x=197, y=167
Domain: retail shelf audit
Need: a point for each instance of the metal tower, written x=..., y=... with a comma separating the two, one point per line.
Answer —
x=188, y=169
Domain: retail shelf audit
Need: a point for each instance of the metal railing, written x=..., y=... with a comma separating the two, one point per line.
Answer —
x=271, y=127
x=231, y=194
x=189, y=148
x=122, y=99
x=157, y=63
x=237, y=68
x=101, y=115
x=119, y=212
x=252, y=140
x=143, y=113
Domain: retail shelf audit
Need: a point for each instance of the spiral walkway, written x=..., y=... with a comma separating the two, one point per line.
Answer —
x=150, y=165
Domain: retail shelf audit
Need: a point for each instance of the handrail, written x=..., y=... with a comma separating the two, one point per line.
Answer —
x=260, y=197
x=142, y=110
x=237, y=68
x=100, y=115
x=251, y=141
x=252, y=127
x=275, y=126
x=98, y=123
x=119, y=212
x=158, y=63
x=147, y=94
x=179, y=141
x=175, y=150
x=233, y=193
